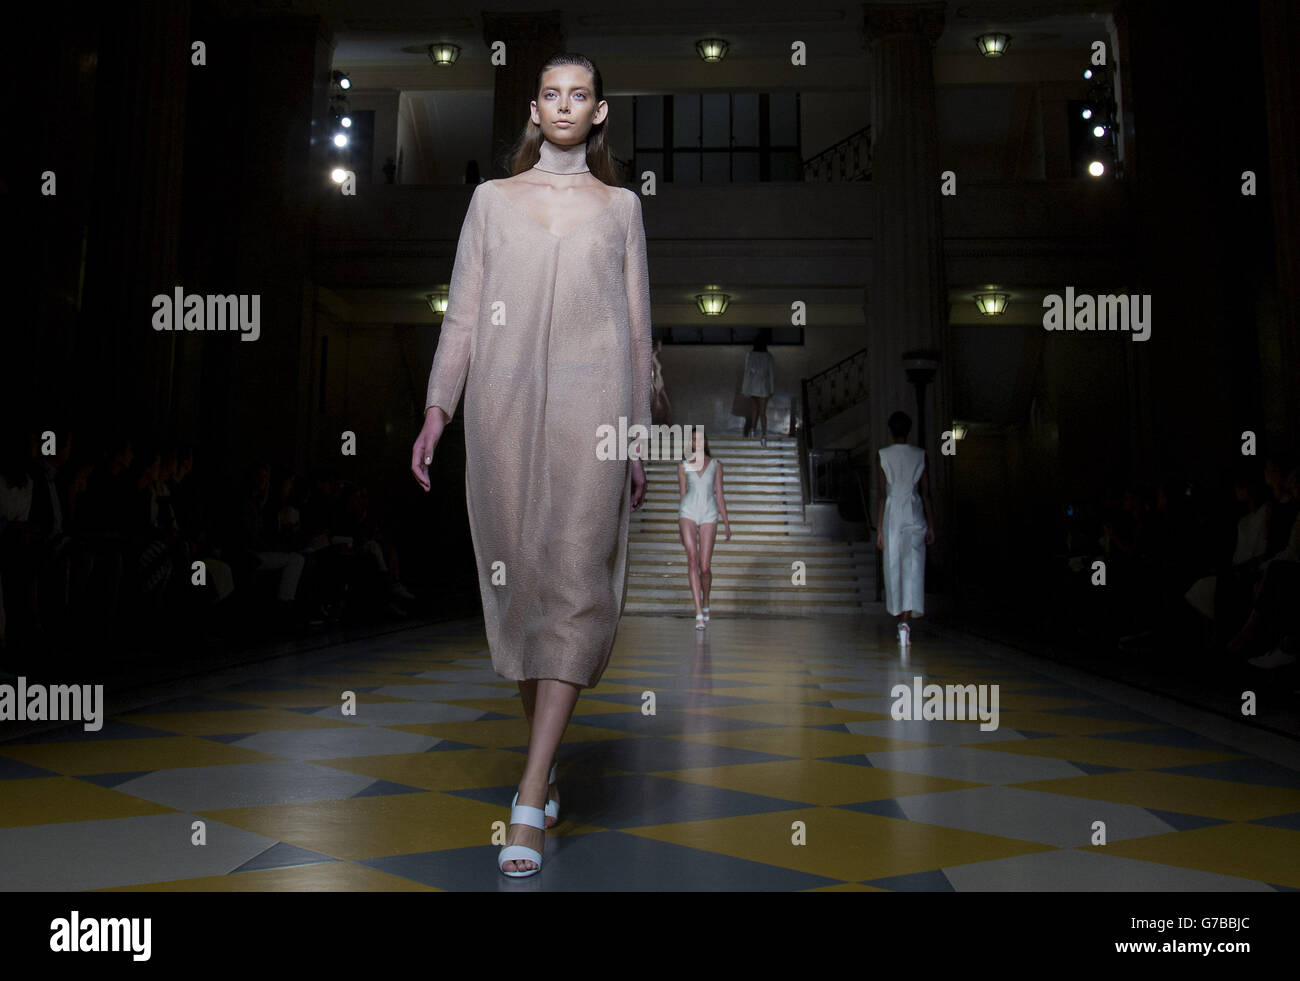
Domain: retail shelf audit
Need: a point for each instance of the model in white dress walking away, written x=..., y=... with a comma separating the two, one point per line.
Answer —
x=758, y=384
x=699, y=479
x=905, y=524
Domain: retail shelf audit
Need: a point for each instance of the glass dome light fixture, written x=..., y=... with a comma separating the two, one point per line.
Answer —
x=958, y=430
x=712, y=303
x=1087, y=113
x=991, y=303
x=341, y=78
x=437, y=300
x=993, y=45
x=712, y=48
x=444, y=54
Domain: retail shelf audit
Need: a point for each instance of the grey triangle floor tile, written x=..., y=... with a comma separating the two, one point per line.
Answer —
x=932, y=881
x=113, y=779
x=282, y=856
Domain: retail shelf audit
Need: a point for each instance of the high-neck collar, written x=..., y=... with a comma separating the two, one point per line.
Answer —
x=562, y=159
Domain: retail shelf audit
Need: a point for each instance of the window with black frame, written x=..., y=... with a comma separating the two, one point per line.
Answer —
x=727, y=335
x=718, y=137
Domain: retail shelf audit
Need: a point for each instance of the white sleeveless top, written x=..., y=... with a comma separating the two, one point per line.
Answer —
x=699, y=497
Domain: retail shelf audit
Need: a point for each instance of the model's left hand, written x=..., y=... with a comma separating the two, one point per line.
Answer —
x=638, y=484
x=728, y=531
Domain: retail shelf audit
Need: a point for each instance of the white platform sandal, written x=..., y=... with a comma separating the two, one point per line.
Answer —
x=904, y=635
x=699, y=621
x=706, y=614
x=534, y=817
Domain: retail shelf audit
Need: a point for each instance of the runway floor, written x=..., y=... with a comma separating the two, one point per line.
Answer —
x=771, y=762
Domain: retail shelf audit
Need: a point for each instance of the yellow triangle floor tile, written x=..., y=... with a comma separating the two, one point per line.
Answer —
x=841, y=844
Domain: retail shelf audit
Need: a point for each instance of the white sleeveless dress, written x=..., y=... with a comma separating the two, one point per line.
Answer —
x=760, y=374
x=903, y=530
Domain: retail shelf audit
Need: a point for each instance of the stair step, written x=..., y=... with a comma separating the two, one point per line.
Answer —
x=751, y=572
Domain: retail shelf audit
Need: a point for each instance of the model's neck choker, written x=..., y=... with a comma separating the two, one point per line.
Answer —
x=562, y=159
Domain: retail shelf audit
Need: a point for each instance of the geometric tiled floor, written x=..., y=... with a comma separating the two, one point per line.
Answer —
x=772, y=763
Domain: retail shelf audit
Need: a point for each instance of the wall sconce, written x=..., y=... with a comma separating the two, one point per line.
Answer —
x=992, y=304
x=712, y=303
x=437, y=301
x=444, y=55
x=993, y=45
x=958, y=430
x=712, y=48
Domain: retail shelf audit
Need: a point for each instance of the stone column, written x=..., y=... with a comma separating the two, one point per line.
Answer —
x=529, y=40
x=908, y=308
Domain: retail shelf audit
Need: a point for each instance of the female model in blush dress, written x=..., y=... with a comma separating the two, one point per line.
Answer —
x=549, y=337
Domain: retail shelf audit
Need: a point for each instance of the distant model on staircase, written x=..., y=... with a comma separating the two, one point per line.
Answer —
x=699, y=479
x=760, y=380
x=661, y=410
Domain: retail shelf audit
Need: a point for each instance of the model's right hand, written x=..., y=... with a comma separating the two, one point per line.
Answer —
x=426, y=443
x=880, y=541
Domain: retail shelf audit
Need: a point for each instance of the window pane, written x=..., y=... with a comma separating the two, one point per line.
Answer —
x=686, y=119
x=687, y=335
x=650, y=121
x=781, y=115
x=717, y=119
x=745, y=167
x=786, y=166
x=787, y=335
x=717, y=168
x=715, y=335
x=653, y=162
x=744, y=124
x=686, y=168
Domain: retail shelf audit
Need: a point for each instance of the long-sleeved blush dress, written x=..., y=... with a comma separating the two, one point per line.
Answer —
x=549, y=338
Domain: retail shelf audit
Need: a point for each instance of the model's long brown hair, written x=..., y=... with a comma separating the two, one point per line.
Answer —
x=527, y=149
x=690, y=450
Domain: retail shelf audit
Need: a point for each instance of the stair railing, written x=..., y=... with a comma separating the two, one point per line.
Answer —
x=823, y=395
x=847, y=160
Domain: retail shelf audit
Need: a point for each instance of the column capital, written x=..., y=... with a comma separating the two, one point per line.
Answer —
x=903, y=21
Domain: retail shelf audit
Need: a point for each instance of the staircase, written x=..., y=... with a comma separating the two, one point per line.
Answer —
x=752, y=573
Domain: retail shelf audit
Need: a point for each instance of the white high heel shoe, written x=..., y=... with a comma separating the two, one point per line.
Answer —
x=534, y=817
x=706, y=614
x=699, y=621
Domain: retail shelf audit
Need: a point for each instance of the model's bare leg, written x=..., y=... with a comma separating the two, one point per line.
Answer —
x=708, y=533
x=762, y=413
x=552, y=708
x=690, y=536
x=528, y=695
